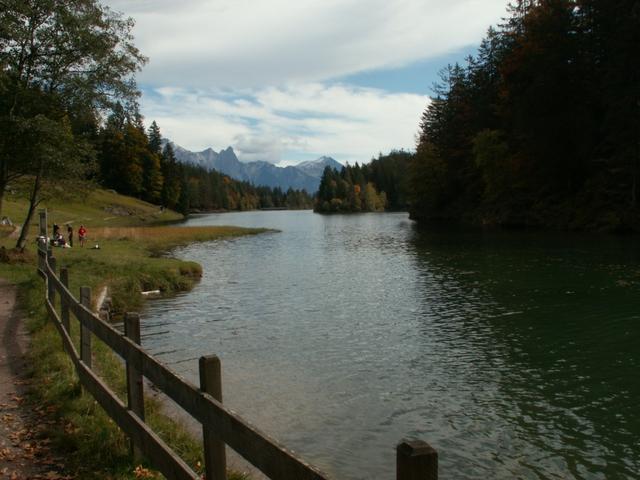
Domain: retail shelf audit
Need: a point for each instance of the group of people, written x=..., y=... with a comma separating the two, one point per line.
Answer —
x=58, y=239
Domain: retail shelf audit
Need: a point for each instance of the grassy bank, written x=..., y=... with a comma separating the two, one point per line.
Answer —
x=129, y=260
x=87, y=205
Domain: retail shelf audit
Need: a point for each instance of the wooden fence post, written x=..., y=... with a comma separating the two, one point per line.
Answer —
x=85, y=333
x=64, y=306
x=42, y=253
x=135, y=389
x=416, y=460
x=215, y=460
x=50, y=285
x=43, y=222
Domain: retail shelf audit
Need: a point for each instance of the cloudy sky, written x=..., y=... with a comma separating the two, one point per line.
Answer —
x=291, y=80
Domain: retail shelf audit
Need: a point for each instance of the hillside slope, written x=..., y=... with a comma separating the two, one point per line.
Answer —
x=93, y=207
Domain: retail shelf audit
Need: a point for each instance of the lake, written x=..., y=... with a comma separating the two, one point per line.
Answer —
x=514, y=354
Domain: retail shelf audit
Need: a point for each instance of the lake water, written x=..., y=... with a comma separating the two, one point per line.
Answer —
x=515, y=355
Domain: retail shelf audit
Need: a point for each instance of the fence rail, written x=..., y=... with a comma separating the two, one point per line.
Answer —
x=415, y=460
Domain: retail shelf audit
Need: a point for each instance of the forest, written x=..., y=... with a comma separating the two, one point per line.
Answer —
x=69, y=116
x=377, y=186
x=541, y=127
x=143, y=165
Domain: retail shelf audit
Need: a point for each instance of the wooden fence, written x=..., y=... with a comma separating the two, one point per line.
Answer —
x=415, y=460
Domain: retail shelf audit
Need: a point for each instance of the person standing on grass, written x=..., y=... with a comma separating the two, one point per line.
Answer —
x=70, y=235
x=82, y=233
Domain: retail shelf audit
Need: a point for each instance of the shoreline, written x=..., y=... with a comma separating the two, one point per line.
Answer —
x=91, y=439
x=266, y=209
x=235, y=462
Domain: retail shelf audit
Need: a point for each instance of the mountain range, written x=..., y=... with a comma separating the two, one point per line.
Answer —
x=304, y=176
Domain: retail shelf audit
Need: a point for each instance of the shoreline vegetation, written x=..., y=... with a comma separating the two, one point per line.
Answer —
x=378, y=186
x=132, y=258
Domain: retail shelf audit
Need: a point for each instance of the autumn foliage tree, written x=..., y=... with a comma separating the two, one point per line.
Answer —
x=382, y=184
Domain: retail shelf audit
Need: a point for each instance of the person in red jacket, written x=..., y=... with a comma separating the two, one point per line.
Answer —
x=82, y=232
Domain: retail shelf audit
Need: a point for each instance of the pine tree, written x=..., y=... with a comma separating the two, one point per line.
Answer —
x=171, y=173
x=542, y=126
x=155, y=138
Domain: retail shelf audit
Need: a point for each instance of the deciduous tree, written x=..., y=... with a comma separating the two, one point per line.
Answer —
x=61, y=63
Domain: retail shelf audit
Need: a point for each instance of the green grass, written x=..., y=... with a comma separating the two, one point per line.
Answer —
x=129, y=260
x=94, y=207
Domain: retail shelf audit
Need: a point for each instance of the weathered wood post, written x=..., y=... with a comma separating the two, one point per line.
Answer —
x=215, y=460
x=50, y=285
x=64, y=306
x=416, y=460
x=43, y=222
x=41, y=254
x=42, y=243
x=85, y=333
x=135, y=386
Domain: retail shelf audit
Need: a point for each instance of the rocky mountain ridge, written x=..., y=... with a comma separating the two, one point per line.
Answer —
x=304, y=176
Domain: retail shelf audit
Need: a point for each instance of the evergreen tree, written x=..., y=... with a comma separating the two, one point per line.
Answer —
x=542, y=126
x=172, y=175
x=381, y=184
x=155, y=138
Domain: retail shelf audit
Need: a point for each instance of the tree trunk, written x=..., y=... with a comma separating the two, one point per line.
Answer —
x=33, y=203
x=634, y=193
x=4, y=179
x=3, y=188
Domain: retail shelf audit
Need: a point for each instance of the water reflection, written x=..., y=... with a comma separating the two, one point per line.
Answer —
x=555, y=341
x=514, y=355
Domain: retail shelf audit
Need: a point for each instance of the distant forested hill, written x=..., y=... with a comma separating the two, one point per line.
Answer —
x=542, y=126
x=379, y=185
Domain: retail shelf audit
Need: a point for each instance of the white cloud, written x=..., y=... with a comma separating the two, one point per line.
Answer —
x=255, y=73
x=350, y=123
x=251, y=148
x=252, y=43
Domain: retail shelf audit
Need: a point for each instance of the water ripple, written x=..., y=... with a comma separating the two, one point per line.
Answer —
x=514, y=355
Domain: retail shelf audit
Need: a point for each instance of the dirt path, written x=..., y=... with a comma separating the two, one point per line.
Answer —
x=24, y=451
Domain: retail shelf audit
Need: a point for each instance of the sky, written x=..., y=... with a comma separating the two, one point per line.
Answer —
x=291, y=80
